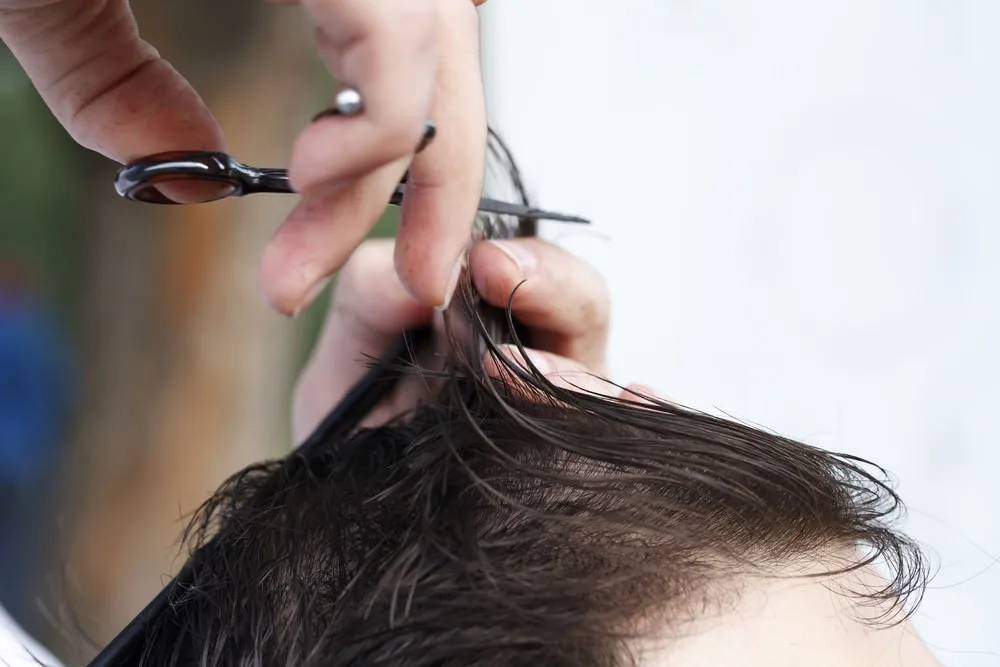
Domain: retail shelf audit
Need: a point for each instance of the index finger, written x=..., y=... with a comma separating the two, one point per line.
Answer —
x=388, y=52
x=110, y=89
x=446, y=180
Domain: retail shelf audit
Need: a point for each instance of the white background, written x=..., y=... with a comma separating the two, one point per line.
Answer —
x=796, y=204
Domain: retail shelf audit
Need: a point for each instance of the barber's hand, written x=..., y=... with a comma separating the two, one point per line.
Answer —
x=563, y=300
x=410, y=59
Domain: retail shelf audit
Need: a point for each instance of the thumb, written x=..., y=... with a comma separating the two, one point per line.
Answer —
x=111, y=90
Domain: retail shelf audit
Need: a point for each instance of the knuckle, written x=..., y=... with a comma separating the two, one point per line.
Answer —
x=591, y=318
x=593, y=300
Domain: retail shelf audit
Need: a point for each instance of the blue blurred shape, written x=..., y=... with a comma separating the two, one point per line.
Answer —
x=34, y=387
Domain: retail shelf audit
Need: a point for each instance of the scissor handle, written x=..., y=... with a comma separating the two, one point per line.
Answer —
x=198, y=177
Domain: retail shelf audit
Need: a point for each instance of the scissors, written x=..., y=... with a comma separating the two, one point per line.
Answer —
x=196, y=177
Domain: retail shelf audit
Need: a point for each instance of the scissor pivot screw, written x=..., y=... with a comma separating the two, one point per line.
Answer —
x=348, y=102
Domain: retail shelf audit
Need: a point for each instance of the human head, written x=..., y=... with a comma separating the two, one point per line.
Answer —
x=516, y=522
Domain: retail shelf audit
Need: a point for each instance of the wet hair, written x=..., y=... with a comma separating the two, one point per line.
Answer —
x=513, y=522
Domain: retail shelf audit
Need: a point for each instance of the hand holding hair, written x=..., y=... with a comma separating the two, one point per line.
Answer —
x=562, y=300
x=410, y=59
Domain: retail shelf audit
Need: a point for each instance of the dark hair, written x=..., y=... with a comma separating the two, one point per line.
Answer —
x=513, y=522
x=510, y=523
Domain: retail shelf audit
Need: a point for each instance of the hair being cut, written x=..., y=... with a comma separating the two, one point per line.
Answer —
x=512, y=522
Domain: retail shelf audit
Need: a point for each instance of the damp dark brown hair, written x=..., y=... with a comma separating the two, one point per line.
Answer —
x=513, y=522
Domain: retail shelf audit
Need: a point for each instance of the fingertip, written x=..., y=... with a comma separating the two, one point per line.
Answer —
x=499, y=267
x=266, y=278
x=155, y=110
x=429, y=272
x=319, y=236
x=285, y=290
x=311, y=295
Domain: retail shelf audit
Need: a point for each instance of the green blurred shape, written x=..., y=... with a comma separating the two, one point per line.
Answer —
x=37, y=184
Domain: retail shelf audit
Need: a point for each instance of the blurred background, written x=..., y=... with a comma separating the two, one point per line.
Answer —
x=794, y=203
x=797, y=211
x=139, y=366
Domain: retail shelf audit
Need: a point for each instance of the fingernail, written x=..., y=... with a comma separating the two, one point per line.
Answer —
x=518, y=253
x=456, y=273
x=311, y=295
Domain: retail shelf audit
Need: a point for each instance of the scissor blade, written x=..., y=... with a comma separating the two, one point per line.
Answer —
x=487, y=205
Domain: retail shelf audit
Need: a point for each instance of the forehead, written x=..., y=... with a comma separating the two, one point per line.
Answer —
x=788, y=621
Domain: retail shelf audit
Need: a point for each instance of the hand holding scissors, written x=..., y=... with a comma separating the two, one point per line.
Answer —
x=410, y=60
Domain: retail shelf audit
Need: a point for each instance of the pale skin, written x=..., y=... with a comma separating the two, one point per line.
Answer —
x=778, y=620
x=411, y=60
x=784, y=620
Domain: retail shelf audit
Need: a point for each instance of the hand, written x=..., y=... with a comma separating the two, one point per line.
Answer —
x=411, y=60
x=563, y=300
